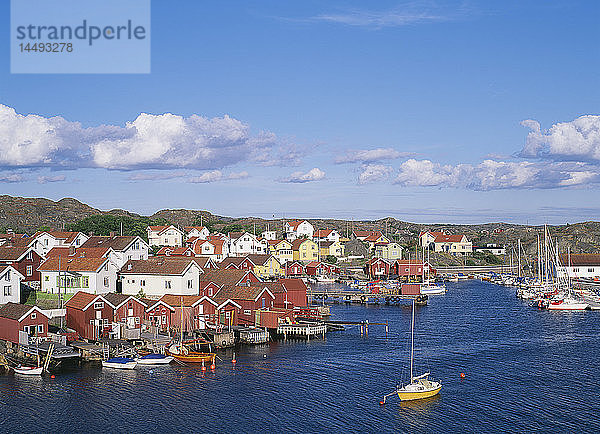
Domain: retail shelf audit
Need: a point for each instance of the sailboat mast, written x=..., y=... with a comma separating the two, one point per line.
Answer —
x=412, y=340
x=519, y=255
x=539, y=269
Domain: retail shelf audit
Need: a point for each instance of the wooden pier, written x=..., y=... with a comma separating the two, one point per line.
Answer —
x=302, y=330
x=329, y=295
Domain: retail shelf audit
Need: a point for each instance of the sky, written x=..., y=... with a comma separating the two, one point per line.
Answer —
x=426, y=111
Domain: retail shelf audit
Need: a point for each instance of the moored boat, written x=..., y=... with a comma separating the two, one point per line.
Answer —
x=184, y=354
x=28, y=370
x=119, y=363
x=154, y=359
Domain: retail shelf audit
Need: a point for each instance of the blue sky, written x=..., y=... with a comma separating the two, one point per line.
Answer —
x=427, y=111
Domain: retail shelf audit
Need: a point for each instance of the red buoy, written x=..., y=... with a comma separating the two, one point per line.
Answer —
x=213, y=366
x=203, y=367
x=381, y=402
x=52, y=376
x=462, y=375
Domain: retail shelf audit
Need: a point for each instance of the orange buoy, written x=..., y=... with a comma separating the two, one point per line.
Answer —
x=233, y=360
x=462, y=375
x=213, y=366
x=52, y=376
x=381, y=402
x=203, y=367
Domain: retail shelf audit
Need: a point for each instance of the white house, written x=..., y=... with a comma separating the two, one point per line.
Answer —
x=10, y=284
x=579, y=266
x=298, y=229
x=47, y=240
x=160, y=275
x=215, y=249
x=453, y=244
x=164, y=236
x=70, y=274
x=269, y=235
x=196, y=231
x=495, y=249
x=326, y=235
x=245, y=243
x=122, y=248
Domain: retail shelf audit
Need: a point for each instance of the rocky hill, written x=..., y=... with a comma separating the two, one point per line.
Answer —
x=31, y=214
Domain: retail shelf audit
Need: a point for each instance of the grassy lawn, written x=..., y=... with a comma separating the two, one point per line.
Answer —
x=46, y=300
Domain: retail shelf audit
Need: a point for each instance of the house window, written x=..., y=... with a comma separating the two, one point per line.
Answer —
x=46, y=242
x=7, y=275
x=30, y=256
x=210, y=292
x=7, y=291
x=142, y=283
x=33, y=315
x=189, y=283
x=167, y=284
x=132, y=280
x=137, y=319
x=85, y=282
x=164, y=319
x=247, y=312
x=106, y=281
x=99, y=305
x=590, y=270
x=40, y=328
x=105, y=321
x=46, y=278
x=29, y=271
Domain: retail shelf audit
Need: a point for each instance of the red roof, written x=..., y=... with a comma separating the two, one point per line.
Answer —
x=443, y=238
x=72, y=263
x=80, y=300
x=322, y=233
x=374, y=237
x=295, y=223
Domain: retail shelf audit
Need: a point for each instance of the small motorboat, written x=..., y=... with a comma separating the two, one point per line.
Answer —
x=154, y=359
x=28, y=370
x=119, y=363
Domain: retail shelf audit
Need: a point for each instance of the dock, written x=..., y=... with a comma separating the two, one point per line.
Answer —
x=302, y=330
x=329, y=295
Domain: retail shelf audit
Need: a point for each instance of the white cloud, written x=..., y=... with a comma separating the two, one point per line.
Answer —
x=216, y=175
x=410, y=13
x=578, y=140
x=11, y=177
x=371, y=155
x=494, y=175
x=163, y=141
x=155, y=176
x=374, y=172
x=315, y=174
x=45, y=179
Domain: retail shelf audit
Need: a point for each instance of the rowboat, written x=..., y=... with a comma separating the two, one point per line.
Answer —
x=154, y=359
x=119, y=363
x=28, y=370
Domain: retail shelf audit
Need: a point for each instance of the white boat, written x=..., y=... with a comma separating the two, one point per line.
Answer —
x=567, y=303
x=154, y=359
x=28, y=370
x=429, y=288
x=324, y=279
x=119, y=363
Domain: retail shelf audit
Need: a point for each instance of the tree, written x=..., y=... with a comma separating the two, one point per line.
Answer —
x=330, y=259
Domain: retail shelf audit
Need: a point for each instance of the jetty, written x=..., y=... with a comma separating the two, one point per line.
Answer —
x=333, y=295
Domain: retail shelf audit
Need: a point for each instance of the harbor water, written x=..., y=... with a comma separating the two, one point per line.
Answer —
x=524, y=370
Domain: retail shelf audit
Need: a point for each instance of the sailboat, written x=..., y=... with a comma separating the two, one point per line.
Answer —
x=429, y=287
x=182, y=353
x=421, y=386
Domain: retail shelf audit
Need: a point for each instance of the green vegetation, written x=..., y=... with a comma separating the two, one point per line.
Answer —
x=330, y=259
x=488, y=257
x=104, y=224
x=46, y=300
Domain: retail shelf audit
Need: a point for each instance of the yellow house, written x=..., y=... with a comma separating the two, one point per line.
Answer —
x=266, y=266
x=305, y=250
x=388, y=251
x=332, y=248
x=282, y=250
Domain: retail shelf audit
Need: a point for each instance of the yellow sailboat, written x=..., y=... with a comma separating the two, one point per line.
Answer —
x=420, y=387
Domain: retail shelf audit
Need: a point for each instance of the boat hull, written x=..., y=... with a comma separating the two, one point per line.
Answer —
x=569, y=306
x=192, y=357
x=413, y=395
x=28, y=371
x=128, y=365
x=162, y=361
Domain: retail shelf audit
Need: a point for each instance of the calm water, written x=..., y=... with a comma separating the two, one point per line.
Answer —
x=525, y=369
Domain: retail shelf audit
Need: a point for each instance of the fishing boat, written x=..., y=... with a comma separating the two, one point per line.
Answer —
x=154, y=359
x=184, y=354
x=28, y=370
x=119, y=363
x=420, y=387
